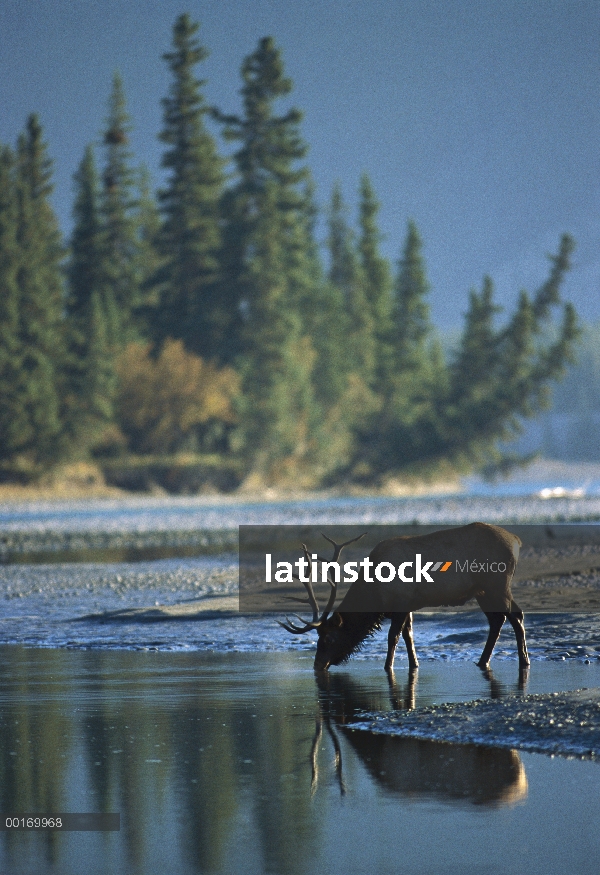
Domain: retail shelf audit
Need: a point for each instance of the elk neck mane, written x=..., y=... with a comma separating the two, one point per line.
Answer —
x=359, y=624
x=359, y=627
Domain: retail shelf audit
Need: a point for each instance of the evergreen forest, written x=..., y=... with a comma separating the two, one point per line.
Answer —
x=207, y=321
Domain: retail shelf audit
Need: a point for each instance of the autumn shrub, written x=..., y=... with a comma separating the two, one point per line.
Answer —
x=174, y=401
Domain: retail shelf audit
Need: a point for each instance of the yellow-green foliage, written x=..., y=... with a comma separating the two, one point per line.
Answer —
x=164, y=402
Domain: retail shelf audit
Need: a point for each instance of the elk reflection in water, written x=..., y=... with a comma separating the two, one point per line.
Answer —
x=410, y=767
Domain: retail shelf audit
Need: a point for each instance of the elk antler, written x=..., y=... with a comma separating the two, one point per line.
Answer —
x=311, y=600
x=314, y=755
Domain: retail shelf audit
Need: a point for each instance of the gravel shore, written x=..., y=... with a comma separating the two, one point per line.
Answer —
x=562, y=724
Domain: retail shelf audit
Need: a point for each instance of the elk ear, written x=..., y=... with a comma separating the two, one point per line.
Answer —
x=337, y=620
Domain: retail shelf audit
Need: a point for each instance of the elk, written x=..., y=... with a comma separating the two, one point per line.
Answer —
x=482, y=547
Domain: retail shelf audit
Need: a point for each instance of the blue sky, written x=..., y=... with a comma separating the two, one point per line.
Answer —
x=480, y=120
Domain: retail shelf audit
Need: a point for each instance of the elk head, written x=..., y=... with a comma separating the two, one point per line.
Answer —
x=335, y=639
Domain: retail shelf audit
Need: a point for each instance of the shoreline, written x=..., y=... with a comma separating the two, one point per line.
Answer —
x=555, y=724
x=85, y=481
x=66, y=492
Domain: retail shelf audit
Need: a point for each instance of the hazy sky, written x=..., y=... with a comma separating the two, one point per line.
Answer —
x=480, y=119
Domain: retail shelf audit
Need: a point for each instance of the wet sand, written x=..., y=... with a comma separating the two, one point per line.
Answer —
x=565, y=578
x=209, y=608
x=578, y=593
x=548, y=579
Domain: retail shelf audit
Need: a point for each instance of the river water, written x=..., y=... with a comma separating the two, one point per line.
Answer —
x=215, y=742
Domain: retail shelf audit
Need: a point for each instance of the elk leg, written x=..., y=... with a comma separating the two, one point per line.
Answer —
x=411, y=689
x=407, y=635
x=515, y=618
x=397, y=627
x=406, y=700
x=496, y=688
x=496, y=620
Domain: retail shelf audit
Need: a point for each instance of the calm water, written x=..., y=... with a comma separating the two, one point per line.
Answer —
x=222, y=763
x=215, y=743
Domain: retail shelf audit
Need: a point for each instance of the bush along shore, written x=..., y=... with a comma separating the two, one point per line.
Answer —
x=186, y=475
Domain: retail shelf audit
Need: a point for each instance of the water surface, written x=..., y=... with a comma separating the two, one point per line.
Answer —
x=223, y=763
x=213, y=739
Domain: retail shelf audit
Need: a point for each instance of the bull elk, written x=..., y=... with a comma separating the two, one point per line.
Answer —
x=484, y=548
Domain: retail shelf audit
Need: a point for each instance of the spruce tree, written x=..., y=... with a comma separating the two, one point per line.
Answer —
x=376, y=278
x=15, y=430
x=148, y=259
x=346, y=274
x=41, y=298
x=460, y=412
x=411, y=324
x=500, y=376
x=84, y=270
x=343, y=262
x=92, y=317
x=321, y=308
x=276, y=365
x=264, y=210
x=193, y=305
x=417, y=377
x=414, y=371
x=472, y=370
x=117, y=211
